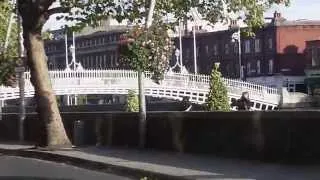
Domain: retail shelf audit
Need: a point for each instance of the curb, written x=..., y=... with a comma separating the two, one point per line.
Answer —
x=91, y=165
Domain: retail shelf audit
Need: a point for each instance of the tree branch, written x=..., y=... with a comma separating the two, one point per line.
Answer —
x=58, y=10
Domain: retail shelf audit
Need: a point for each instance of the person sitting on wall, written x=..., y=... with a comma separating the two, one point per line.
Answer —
x=242, y=104
x=187, y=105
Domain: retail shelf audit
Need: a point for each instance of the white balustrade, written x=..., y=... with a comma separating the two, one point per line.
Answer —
x=174, y=85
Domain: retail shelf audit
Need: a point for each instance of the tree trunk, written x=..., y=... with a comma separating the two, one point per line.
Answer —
x=55, y=135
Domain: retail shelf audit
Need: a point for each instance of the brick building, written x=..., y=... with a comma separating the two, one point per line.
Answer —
x=312, y=69
x=276, y=53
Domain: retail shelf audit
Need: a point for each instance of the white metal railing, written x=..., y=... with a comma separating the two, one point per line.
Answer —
x=128, y=78
x=130, y=74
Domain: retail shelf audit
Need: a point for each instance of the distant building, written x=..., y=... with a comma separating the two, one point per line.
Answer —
x=277, y=51
x=96, y=48
x=312, y=69
x=277, y=55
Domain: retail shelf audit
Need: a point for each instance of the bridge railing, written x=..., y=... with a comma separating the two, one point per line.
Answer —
x=173, y=79
x=192, y=80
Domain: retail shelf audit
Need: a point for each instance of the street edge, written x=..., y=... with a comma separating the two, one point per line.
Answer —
x=90, y=165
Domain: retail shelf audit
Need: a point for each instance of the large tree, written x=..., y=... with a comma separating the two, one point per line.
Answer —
x=35, y=13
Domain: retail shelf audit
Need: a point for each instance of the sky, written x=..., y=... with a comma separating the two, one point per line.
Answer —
x=299, y=9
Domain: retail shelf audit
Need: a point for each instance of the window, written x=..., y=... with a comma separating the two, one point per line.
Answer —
x=236, y=48
x=270, y=43
x=188, y=53
x=116, y=58
x=257, y=45
x=314, y=56
x=215, y=49
x=207, y=49
x=198, y=50
x=100, y=61
x=97, y=62
x=315, y=52
x=105, y=61
x=226, y=48
x=258, y=67
x=248, y=68
x=247, y=46
x=91, y=61
x=271, y=66
x=111, y=60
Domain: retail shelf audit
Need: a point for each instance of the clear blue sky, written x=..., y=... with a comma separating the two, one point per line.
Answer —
x=299, y=9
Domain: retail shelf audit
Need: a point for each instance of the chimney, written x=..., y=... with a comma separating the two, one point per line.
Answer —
x=234, y=24
x=277, y=18
x=277, y=15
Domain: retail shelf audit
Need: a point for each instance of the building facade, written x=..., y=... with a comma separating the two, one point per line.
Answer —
x=277, y=51
x=312, y=69
x=276, y=55
x=96, y=48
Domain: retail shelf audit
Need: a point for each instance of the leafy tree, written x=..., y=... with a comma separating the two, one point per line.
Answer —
x=218, y=95
x=147, y=49
x=132, y=102
x=35, y=13
x=46, y=35
x=8, y=54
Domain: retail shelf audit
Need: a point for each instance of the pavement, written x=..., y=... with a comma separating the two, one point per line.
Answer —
x=19, y=168
x=159, y=165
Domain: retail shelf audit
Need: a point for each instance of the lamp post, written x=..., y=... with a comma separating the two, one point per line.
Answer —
x=195, y=49
x=237, y=37
x=177, y=54
x=20, y=71
x=180, y=43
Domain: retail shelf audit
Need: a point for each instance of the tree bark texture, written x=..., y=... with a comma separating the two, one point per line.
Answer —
x=33, y=15
x=47, y=107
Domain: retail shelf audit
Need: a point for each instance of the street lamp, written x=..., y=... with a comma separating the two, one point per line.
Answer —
x=182, y=68
x=194, y=15
x=237, y=37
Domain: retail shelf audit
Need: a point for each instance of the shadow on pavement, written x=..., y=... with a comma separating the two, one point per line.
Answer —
x=212, y=167
x=29, y=178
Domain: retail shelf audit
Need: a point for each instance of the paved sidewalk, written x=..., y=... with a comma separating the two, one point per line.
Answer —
x=168, y=165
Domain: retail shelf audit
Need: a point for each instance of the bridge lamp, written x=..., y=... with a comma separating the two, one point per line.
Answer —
x=177, y=54
x=236, y=37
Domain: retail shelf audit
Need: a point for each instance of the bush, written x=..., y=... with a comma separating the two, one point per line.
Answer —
x=132, y=102
x=218, y=94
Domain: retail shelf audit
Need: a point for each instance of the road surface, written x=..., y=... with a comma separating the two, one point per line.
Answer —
x=17, y=168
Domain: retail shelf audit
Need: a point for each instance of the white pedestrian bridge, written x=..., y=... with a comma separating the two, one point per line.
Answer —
x=173, y=86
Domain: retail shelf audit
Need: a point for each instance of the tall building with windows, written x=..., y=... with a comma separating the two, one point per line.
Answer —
x=276, y=54
x=96, y=48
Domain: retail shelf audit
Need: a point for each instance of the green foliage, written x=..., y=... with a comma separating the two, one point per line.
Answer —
x=7, y=73
x=46, y=35
x=90, y=12
x=82, y=99
x=8, y=58
x=147, y=50
x=132, y=102
x=218, y=95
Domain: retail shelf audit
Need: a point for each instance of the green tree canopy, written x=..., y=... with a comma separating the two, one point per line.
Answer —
x=8, y=57
x=218, y=95
x=132, y=104
x=92, y=11
x=147, y=49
